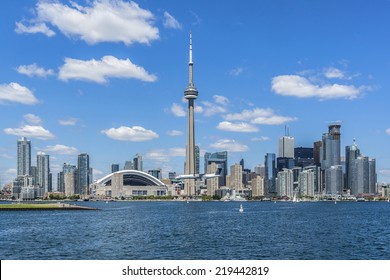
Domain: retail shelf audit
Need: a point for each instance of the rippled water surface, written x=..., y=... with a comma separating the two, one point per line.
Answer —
x=200, y=230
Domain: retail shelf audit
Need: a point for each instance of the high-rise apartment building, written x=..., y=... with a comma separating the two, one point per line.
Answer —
x=330, y=150
x=213, y=184
x=334, y=180
x=236, y=177
x=43, y=172
x=270, y=174
x=351, y=154
x=257, y=185
x=285, y=183
x=307, y=182
x=137, y=161
x=84, y=176
x=24, y=157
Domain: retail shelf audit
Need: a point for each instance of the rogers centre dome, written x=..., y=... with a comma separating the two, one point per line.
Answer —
x=127, y=183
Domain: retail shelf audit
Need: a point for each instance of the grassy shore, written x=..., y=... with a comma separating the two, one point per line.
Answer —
x=43, y=206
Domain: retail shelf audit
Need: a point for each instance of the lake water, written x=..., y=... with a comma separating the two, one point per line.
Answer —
x=200, y=230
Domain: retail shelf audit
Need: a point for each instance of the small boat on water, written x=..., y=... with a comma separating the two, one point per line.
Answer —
x=241, y=208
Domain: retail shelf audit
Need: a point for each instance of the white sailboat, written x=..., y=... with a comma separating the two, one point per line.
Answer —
x=241, y=208
x=295, y=197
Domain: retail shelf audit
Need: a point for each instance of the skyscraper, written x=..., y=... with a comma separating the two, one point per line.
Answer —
x=24, y=157
x=84, y=176
x=114, y=167
x=330, y=150
x=286, y=147
x=43, y=171
x=137, y=161
x=190, y=93
x=270, y=174
x=236, y=177
x=351, y=154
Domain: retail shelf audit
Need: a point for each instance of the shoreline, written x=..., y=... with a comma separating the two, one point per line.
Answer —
x=46, y=207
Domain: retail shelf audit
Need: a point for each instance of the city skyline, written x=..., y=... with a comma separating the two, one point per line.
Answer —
x=259, y=69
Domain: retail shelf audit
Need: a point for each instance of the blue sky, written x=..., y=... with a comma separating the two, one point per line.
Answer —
x=107, y=77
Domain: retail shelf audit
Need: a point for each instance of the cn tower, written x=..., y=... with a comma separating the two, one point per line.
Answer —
x=191, y=93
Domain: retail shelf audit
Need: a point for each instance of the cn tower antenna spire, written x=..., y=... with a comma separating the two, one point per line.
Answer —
x=190, y=48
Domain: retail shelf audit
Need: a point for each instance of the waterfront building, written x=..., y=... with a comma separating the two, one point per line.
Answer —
x=221, y=159
x=270, y=174
x=372, y=176
x=213, y=184
x=114, y=167
x=306, y=182
x=360, y=182
x=190, y=94
x=334, y=180
x=23, y=157
x=351, y=154
x=68, y=181
x=236, y=177
x=257, y=185
x=43, y=172
x=129, y=183
x=84, y=176
x=285, y=183
x=330, y=149
x=286, y=147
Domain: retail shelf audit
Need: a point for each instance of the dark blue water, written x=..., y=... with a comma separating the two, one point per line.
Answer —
x=200, y=230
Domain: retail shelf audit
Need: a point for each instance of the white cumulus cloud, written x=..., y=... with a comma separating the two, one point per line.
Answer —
x=14, y=92
x=100, y=21
x=165, y=155
x=101, y=70
x=229, y=145
x=133, y=134
x=260, y=139
x=334, y=73
x=34, y=28
x=68, y=122
x=34, y=70
x=30, y=131
x=237, y=127
x=32, y=119
x=177, y=110
x=61, y=150
x=259, y=116
x=294, y=85
x=171, y=22
x=174, y=132
x=236, y=71
x=388, y=131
